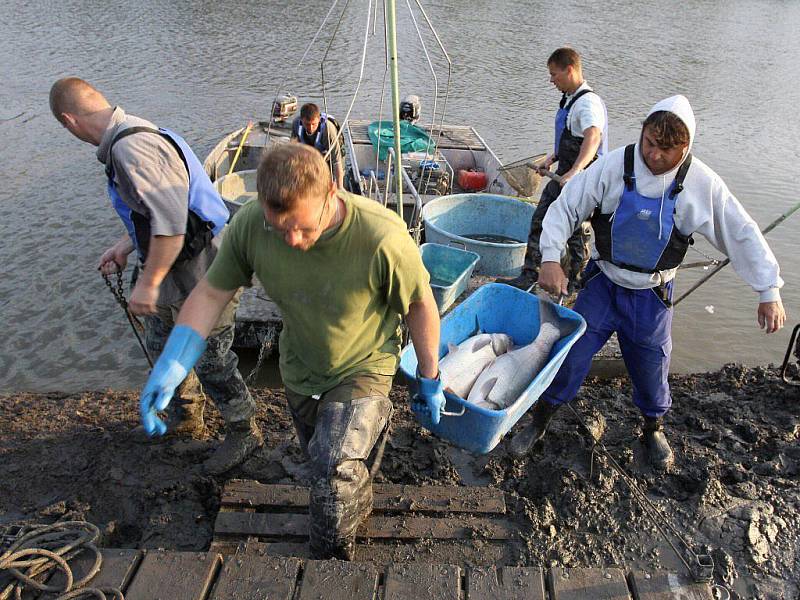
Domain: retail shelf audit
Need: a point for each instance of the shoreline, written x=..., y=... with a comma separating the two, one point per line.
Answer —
x=734, y=488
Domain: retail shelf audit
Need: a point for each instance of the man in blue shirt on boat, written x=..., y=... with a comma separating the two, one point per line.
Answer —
x=581, y=133
x=173, y=217
x=645, y=202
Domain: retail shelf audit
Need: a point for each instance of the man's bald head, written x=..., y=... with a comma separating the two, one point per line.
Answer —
x=74, y=96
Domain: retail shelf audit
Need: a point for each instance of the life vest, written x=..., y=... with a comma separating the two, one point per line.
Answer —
x=207, y=211
x=567, y=146
x=640, y=235
x=321, y=137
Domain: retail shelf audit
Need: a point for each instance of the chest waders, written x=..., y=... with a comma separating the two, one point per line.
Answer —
x=640, y=235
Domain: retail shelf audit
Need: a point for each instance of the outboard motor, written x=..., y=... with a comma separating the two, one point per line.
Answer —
x=283, y=107
x=409, y=109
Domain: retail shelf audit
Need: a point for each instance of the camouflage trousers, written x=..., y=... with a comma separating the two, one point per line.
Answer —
x=339, y=431
x=577, y=245
x=217, y=370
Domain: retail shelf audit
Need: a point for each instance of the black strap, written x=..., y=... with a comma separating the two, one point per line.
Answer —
x=680, y=176
x=628, y=175
x=563, y=102
x=140, y=129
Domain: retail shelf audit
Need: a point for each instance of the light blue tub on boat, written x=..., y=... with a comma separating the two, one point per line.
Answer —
x=494, y=308
x=450, y=269
x=450, y=218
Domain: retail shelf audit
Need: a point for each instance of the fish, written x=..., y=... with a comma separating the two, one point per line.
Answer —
x=463, y=364
x=502, y=382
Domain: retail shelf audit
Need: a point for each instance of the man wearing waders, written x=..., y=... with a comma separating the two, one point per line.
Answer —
x=581, y=132
x=645, y=201
x=343, y=271
x=173, y=217
x=317, y=129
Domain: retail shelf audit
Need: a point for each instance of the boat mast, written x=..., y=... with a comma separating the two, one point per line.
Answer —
x=391, y=26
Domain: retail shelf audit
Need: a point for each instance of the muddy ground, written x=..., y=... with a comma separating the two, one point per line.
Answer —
x=734, y=485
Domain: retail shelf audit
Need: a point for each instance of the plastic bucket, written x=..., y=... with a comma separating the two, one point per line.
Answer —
x=452, y=218
x=494, y=308
x=450, y=269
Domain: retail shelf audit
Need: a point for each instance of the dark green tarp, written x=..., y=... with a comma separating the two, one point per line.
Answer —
x=412, y=138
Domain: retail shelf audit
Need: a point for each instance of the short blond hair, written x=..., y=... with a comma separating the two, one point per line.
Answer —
x=75, y=96
x=289, y=173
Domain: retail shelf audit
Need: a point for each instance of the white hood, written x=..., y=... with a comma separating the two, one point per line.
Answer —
x=679, y=106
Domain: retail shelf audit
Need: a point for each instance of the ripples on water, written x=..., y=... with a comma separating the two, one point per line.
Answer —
x=203, y=68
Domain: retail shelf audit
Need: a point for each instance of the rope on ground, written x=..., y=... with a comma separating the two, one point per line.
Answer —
x=39, y=551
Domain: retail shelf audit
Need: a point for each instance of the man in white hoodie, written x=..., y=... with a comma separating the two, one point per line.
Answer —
x=645, y=201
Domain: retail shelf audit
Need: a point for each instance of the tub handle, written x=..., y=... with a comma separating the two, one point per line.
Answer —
x=535, y=286
x=450, y=413
x=457, y=243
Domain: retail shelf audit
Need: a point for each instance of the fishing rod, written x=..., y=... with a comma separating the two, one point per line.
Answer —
x=722, y=265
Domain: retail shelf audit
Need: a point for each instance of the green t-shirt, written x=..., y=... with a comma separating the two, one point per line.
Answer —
x=341, y=300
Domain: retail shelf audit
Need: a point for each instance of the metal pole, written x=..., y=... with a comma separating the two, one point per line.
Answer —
x=725, y=262
x=391, y=22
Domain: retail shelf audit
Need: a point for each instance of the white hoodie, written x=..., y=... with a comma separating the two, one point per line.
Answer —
x=705, y=206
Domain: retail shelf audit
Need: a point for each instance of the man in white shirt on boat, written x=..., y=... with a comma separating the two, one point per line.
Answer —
x=645, y=201
x=581, y=135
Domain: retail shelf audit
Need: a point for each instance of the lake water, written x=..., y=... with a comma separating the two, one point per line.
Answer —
x=204, y=68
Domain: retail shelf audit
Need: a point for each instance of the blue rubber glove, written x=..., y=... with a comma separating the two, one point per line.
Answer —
x=430, y=397
x=182, y=350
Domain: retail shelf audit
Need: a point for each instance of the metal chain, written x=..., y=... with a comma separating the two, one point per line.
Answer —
x=264, y=352
x=136, y=324
x=702, y=569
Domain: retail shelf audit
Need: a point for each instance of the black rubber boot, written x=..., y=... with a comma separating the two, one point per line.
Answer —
x=242, y=438
x=659, y=454
x=522, y=281
x=522, y=442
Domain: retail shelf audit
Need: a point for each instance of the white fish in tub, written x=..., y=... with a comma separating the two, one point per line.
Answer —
x=502, y=382
x=463, y=364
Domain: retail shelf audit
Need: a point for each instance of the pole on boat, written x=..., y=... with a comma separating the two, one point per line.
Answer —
x=722, y=265
x=391, y=26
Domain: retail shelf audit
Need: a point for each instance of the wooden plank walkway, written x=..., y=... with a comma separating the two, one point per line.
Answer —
x=464, y=525
x=167, y=575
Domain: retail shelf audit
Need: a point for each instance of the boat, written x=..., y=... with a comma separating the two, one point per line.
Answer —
x=458, y=160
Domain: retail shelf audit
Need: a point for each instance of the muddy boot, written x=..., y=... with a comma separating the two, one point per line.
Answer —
x=185, y=417
x=242, y=438
x=522, y=442
x=659, y=454
x=522, y=281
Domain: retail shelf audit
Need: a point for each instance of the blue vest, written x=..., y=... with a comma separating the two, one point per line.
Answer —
x=207, y=211
x=641, y=235
x=320, y=142
x=567, y=146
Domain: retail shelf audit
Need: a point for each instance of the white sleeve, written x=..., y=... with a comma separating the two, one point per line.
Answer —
x=578, y=199
x=589, y=112
x=734, y=232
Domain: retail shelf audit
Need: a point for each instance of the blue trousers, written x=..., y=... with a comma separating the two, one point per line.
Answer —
x=643, y=324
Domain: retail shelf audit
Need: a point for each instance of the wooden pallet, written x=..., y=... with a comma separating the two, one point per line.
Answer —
x=466, y=525
x=160, y=575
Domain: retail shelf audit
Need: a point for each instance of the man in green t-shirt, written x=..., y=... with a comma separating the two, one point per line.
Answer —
x=343, y=270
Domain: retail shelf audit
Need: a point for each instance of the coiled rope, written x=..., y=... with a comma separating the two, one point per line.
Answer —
x=41, y=550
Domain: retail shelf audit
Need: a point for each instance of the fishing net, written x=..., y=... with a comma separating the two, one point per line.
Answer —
x=521, y=175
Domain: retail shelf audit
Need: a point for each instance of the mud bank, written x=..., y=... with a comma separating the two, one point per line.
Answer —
x=733, y=488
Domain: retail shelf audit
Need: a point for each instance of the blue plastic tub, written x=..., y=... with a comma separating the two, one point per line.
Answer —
x=494, y=308
x=450, y=269
x=451, y=218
